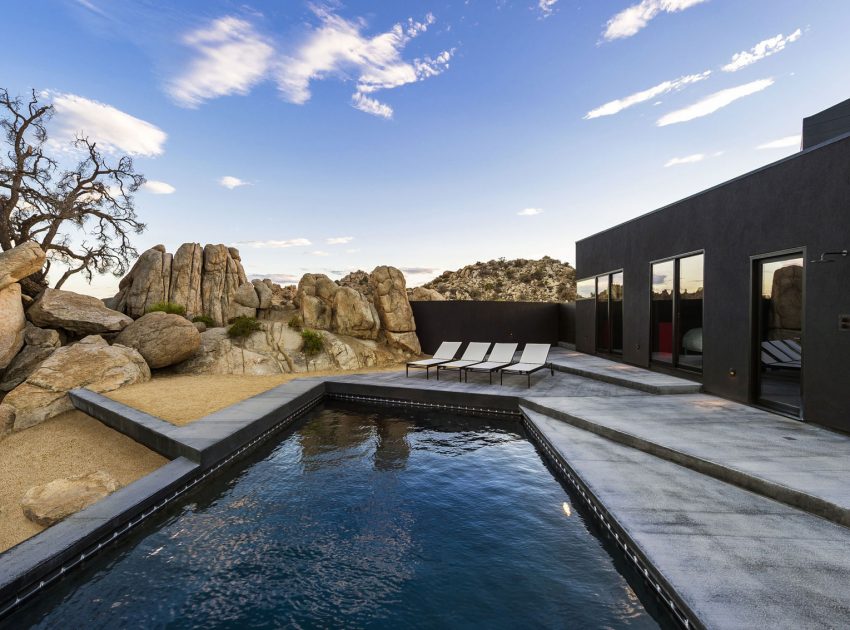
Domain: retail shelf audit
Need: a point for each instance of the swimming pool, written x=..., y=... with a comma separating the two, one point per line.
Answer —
x=363, y=518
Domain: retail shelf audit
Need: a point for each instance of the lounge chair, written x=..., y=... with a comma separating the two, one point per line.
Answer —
x=533, y=358
x=501, y=356
x=474, y=353
x=445, y=353
x=781, y=354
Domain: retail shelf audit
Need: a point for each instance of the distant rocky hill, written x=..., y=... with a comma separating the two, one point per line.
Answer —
x=543, y=280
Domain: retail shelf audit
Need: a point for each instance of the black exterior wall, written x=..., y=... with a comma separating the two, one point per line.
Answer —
x=497, y=322
x=801, y=202
x=825, y=125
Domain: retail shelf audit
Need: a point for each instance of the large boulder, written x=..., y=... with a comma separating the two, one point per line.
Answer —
x=407, y=342
x=148, y=283
x=49, y=503
x=354, y=314
x=265, y=293
x=20, y=262
x=76, y=313
x=246, y=295
x=215, y=282
x=390, y=295
x=316, y=296
x=422, y=294
x=186, y=271
x=12, y=323
x=39, y=343
x=91, y=363
x=161, y=338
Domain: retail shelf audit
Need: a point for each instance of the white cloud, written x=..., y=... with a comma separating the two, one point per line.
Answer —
x=339, y=240
x=529, y=212
x=783, y=143
x=113, y=130
x=158, y=188
x=616, y=106
x=689, y=159
x=230, y=58
x=230, y=182
x=714, y=102
x=293, y=242
x=319, y=252
x=547, y=7
x=338, y=48
x=631, y=20
x=352, y=251
x=763, y=49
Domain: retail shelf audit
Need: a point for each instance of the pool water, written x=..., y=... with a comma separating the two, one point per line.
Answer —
x=362, y=518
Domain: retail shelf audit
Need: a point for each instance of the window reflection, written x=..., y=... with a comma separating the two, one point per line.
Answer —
x=586, y=289
x=603, y=336
x=661, y=310
x=616, y=312
x=689, y=310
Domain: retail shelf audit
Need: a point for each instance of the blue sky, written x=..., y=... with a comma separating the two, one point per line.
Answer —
x=333, y=136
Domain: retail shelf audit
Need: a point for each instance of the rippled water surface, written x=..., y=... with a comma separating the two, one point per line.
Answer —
x=376, y=519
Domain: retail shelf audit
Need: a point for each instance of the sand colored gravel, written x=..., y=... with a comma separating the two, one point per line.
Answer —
x=69, y=444
x=184, y=399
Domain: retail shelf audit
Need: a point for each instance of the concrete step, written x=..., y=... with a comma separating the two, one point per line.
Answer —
x=728, y=558
x=631, y=376
x=805, y=467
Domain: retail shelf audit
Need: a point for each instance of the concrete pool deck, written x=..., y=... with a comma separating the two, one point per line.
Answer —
x=724, y=555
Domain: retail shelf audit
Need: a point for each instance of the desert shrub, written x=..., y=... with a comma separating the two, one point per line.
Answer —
x=204, y=319
x=489, y=286
x=167, y=307
x=312, y=343
x=242, y=327
x=295, y=322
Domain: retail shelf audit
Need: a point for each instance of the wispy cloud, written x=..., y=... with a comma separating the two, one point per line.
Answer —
x=230, y=58
x=633, y=19
x=688, y=159
x=529, y=212
x=319, y=252
x=339, y=240
x=113, y=130
x=158, y=188
x=293, y=242
x=338, y=48
x=546, y=7
x=714, y=102
x=230, y=182
x=616, y=106
x=763, y=49
x=415, y=271
x=783, y=143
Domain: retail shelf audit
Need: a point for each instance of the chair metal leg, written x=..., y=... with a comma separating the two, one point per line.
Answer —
x=459, y=372
x=438, y=372
x=407, y=371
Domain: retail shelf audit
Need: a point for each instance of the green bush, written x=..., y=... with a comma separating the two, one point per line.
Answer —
x=312, y=342
x=168, y=307
x=242, y=327
x=204, y=319
x=295, y=322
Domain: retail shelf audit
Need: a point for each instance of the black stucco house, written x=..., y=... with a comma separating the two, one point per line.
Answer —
x=723, y=286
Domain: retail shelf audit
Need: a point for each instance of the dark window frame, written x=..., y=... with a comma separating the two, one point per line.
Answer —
x=755, y=342
x=674, y=363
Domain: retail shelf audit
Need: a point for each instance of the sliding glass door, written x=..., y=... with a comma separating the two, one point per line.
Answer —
x=778, y=313
x=606, y=291
x=676, y=311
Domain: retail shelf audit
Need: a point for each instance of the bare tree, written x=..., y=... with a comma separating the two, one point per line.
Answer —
x=82, y=217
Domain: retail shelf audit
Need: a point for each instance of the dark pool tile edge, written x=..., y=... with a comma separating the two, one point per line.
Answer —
x=47, y=556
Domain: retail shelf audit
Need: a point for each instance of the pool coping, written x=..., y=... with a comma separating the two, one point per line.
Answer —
x=199, y=449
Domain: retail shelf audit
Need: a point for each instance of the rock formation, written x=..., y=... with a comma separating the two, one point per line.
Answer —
x=354, y=314
x=393, y=305
x=49, y=503
x=76, y=313
x=543, y=280
x=20, y=262
x=421, y=294
x=39, y=343
x=316, y=295
x=91, y=363
x=162, y=339
x=15, y=265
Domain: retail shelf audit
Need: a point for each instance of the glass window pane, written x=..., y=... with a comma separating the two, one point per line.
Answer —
x=586, y=289
x=689, y=311
x=603, y=336
x=661, y=312
x=617, y=312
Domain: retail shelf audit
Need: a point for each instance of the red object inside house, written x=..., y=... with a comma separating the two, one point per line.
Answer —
x=665, y=337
